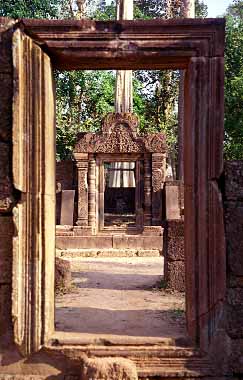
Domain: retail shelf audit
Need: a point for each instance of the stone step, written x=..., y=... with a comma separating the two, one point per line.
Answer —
x=137, y=242
x=76, y=253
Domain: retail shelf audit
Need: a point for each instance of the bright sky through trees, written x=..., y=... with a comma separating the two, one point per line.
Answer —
x=217, y=7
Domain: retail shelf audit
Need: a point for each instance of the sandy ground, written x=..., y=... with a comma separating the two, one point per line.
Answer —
x=117, y=299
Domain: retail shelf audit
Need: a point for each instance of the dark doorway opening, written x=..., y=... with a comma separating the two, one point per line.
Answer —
x=120, y=193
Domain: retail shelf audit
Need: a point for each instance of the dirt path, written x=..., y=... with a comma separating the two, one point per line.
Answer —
x=116, y=299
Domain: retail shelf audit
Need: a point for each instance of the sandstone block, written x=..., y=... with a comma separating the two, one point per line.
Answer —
x=153, y=242
x=5, y=307
x=148, y=253
x=234, y=321
x=108, y=368
x=152, y=231
x=175, y=228
x=235, y=281
x=175, y=249
x=5, y=106
x=235, y=312
x=236, y=362
x=234, y=236
x=67, y=207
x=174, y=199
x=137, y=242
x=89, y=242
x=6, y=49
x=74, y=253
x=5, y=181
x=174, y=240
x=82, y=231
x=6, y=246
x=65, y=174
x=233, y=180
x=6, y=261
x=6, y=226
x=175, y=275
x=235, y=296
x=63, y=275
x=117, y=253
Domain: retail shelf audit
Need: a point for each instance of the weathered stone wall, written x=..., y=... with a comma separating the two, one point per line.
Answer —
x=65, y=175
x=65, y=180
x=174, y=255
x=6, y=189
x=173, y=238
x=174, y=199
x=233, y=206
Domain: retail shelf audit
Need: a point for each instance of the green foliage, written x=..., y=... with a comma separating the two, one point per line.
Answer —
x=104, y=12
x=83, y=99
x=34, y=8
x=234, y=82
x=161, y=9
x=236, y=9
x=201, y=9
x=159, y=91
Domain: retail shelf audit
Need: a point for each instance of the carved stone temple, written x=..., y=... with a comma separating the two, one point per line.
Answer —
x=118, y=188
x=31, y=347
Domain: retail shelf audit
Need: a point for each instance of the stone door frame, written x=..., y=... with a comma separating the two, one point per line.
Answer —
x=198, y=47
x=100, y=160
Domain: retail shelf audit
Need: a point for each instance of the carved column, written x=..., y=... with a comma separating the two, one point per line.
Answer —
x=82, y=167
x=158, y=179
x=147, y=191
x=92, y=191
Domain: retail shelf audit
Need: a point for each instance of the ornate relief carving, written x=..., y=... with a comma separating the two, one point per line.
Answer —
x=82, y=193
x=119, y=135
x=155, y=142
x=112, y=120
x=6, y=204
x=82, y=180
x=158, y=171
x=6, y=198
x=157, y=179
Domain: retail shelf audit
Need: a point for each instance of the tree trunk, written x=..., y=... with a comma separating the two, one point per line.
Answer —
x=188, y=11
x=123, y=100
x=124, y=88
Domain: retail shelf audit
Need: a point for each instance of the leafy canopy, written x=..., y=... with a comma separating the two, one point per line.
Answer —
x=234, y=82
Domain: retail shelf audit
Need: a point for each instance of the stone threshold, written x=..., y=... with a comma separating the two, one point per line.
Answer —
x=161, y=360
x=62, y=230
x=79, y=253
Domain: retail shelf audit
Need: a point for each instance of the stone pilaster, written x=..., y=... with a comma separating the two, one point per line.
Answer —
x=92, y=191
x=158, y=179
x=147, y=191
x=82, y=168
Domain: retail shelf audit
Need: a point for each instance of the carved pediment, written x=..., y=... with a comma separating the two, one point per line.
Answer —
x=119, y=135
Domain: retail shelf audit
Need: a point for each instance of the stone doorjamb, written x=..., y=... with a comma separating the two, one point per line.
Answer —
x=198, y=47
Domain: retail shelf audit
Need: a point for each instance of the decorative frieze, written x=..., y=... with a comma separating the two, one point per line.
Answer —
x=147, y=191
x=119, y=135
x=158, y=179
x=92, y=192
x=82, y=168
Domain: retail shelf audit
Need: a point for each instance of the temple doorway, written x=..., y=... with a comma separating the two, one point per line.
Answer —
x=119, y=194
x=112, y=246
